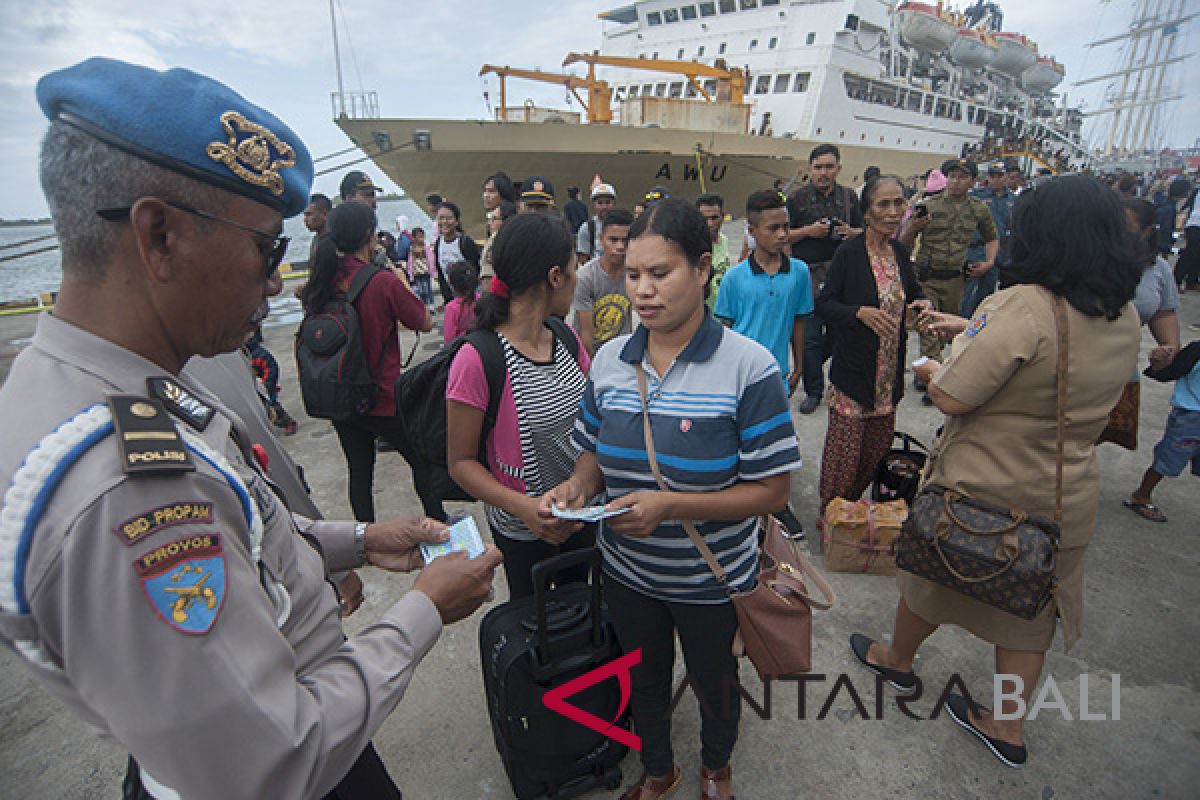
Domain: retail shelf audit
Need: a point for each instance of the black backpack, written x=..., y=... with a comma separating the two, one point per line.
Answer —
x=335, y=379
x=421, y=403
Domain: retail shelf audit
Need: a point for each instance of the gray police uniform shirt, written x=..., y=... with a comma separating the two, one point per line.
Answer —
x=233, y=692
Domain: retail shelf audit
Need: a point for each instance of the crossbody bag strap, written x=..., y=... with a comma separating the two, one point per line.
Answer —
x=1060, y=403
x=648, y=437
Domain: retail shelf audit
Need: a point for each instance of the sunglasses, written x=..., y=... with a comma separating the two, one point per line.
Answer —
x=273, y=253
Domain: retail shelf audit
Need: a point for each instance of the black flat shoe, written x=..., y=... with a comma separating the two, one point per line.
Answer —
x=903, y=682
x=1011, y=755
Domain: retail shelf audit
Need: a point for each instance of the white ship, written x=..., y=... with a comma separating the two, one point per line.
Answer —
x=730, y=95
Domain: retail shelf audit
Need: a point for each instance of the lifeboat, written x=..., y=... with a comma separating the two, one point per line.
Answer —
x=922, y=27
x=972, y=49
x=1014, y=53
x=1043, y=76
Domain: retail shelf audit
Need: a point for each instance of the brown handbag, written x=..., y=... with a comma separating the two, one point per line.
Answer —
x=1003, y=557
x=775, y=617
x=1122, y=427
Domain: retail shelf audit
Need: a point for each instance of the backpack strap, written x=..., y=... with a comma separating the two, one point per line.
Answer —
x=563, y=333
x=360, y=281
x=491, y=355
x=591, y=223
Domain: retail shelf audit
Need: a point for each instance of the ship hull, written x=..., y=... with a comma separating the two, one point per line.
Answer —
x=462, y=153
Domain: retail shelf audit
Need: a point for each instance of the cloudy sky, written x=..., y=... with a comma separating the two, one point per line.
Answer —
x=421, y=57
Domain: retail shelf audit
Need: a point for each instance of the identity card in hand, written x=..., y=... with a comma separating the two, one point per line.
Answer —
x=464, y=535
x=587, y=514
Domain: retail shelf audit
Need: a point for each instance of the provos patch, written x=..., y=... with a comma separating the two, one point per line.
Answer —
x=184, y=581
x=134, y=529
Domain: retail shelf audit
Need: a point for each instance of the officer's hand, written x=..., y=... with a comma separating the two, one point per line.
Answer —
x=395, y=543
x=977, y=268
x=926, y=371
x=350, y=592
x=458, y=585
x=941, y=323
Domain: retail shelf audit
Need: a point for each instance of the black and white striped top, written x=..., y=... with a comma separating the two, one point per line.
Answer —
x=546, y=395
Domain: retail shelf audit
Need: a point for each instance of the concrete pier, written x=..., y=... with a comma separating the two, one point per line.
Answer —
x=1141, y=624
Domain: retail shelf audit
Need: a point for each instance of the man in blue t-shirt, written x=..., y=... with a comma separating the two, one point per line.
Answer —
x=767, y=298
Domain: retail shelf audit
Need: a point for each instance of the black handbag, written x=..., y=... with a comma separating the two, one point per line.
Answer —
x=1003, y=557
x=898, y=475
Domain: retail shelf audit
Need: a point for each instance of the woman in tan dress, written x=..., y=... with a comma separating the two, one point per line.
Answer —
x=998, y=391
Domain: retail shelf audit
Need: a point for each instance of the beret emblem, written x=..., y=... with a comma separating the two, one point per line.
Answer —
x=252, y=153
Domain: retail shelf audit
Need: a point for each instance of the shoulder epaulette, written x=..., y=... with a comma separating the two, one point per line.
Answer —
x=149, y=441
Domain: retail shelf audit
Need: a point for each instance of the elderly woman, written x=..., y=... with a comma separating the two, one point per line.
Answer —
x=998, y=391
x=718, y=410
x=870, y=286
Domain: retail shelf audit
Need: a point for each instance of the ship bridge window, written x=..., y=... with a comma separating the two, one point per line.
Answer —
x=801, y=84
x=660, y=90
x=763, y=84
x=710, y=86
x=670, y=15
x=749, y=4
x=810, y=39
x=689, y=12
x=655, y=55
x=679, y=55
x=633, y=92
x=700, y=51
x=677, y=89
x=774, y=41
x=727, y=6
x=766, y=3
x=619, y=94
x=914, y=101
x=721, y=49
x=708, y=9
x=647, y=89
x=690, y=91
x=781, y=83
x=654, y=18
x=753, y=44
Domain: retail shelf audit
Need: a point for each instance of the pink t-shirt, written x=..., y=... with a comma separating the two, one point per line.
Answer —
x=467, y=384
x=459, y=318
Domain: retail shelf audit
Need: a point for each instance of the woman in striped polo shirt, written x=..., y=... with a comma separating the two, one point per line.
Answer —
x=725, y=443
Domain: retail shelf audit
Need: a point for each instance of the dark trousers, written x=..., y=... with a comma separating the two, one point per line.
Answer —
x=706, y=635
x=816, y=353
x=367, y=779
x=1187, y=268
x=357, y=436
x=519, y=558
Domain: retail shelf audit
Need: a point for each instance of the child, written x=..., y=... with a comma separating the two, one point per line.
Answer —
x=266, y=370
x=1181, y=440
x=767, y=297
x=420, y=256
x=460, y=312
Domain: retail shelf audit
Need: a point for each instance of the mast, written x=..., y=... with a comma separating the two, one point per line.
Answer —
x=1136, y=107
x=337, y=60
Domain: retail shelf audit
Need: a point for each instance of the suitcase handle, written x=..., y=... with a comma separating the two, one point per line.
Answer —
x=543, y=572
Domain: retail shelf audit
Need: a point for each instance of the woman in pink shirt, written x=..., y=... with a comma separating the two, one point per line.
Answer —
x=460, y=312
x=529, y=449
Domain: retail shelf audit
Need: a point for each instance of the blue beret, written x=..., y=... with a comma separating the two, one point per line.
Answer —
x=187, y=123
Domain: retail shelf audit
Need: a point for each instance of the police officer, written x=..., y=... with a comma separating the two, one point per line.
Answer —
x=150, y=577
x=941, y=228
x=1000, y=200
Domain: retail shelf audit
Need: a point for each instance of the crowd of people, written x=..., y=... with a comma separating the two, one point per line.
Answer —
x=669, y=402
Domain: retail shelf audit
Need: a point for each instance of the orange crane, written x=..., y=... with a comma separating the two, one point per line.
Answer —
x=598, y=105
x=731, y=81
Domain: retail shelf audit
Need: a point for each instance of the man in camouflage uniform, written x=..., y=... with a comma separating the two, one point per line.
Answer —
x=941, y=239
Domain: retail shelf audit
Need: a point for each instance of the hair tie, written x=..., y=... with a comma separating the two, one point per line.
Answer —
x=499, y=287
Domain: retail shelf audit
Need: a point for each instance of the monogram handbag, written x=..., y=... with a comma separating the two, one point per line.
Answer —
x=775, y=617
x=1003, y=557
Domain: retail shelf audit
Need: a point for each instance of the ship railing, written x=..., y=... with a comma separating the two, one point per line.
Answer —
x=354, y=105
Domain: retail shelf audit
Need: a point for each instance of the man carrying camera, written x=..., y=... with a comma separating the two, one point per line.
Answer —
x=823, y=214
x=941, y=229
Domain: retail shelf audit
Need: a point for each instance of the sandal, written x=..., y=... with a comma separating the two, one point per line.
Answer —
x=1145, y=510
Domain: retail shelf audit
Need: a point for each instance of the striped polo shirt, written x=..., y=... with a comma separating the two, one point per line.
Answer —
x=720, y=415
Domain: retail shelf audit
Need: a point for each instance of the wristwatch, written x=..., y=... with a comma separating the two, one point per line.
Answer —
x=360, y=543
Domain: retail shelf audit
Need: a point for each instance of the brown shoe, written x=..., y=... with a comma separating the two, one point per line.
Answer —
x=716, y=784
x=651, y=788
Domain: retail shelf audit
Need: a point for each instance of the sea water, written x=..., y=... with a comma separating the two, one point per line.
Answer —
x=24, y=278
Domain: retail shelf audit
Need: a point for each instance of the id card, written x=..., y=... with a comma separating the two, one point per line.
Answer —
x=464, y=536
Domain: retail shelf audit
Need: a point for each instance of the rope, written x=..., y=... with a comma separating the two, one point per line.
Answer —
x=15, y=256
x=28, y=241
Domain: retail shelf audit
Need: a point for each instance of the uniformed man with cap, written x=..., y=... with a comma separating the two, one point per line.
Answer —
x=150, y=576
x=537, y=195
x=942, y=235
x=999, y=200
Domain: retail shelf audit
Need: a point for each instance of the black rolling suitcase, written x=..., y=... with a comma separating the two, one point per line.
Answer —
x=535, y=644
